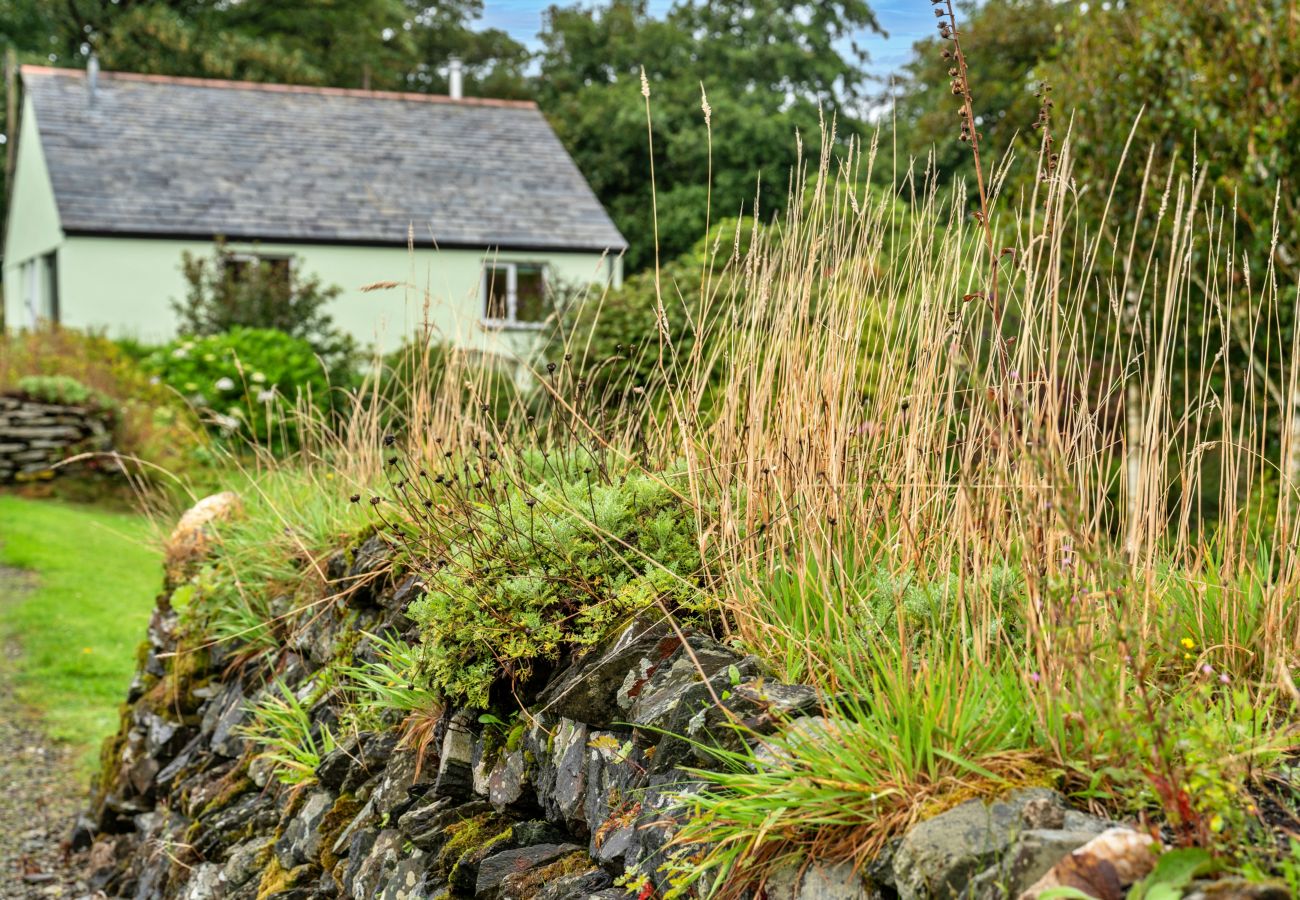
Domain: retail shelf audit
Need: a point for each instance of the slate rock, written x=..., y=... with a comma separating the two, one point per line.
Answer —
x=576, y=887
x=425, y=823
x=494, y=869
x=368, y=871
x=940, y=857
x=300, y=842
x=455, y=779
x=1032, y=855
x=588, y=690
x=816, y=881
x=657, y=689
x=373, y=755
x=241, y=866
x=222, y=717
x=407, y=880
x=393, y=791
x=204, y=883
x=562, y=780
x=510, y=784
x=250, y=813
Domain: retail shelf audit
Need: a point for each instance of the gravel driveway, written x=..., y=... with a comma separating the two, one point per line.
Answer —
x=40, y=790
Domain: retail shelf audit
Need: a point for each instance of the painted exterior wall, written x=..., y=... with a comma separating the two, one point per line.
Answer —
x=125, y=286
x=33, y=227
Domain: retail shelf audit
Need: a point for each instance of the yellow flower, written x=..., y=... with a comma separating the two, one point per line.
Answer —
x=1216, y=823
x=87, y=650
x=1188, y=643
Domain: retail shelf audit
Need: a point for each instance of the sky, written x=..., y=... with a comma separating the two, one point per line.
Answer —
x=906, y=21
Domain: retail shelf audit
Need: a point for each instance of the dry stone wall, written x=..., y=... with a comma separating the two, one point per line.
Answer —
x=35, y=436
x=555, y=805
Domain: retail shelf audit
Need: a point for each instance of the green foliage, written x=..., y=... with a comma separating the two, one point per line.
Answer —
x=766, y=66
x=280, y=724
x=522, y=578
x=1189, y=748
x=833, y=613
x=228, y=291
x=914, y=732
x=384, y=44
x=95, y=576
x=408, y=372
x=149, y=423
x=269, y=561
x=617, y=337
x=389, y=684
x=64, y=389
x=1011, y=44
x=246, y=381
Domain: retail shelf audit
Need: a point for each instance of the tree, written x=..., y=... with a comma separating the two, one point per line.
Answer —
x=771, y=70
x=390, y=44
x=1010, y=44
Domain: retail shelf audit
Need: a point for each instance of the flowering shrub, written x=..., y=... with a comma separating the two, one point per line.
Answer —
x=245, y=382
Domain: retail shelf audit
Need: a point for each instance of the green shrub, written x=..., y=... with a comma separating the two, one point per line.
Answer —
x=232, y=291
x=555, y=566
x=64, y=389
x=245, y=381
x=616, y=338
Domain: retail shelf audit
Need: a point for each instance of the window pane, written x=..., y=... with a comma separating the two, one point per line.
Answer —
x=532, y=303
x=276, y=273
x=494, y=304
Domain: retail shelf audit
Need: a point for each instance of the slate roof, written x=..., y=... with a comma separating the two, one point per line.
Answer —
x=155, y=155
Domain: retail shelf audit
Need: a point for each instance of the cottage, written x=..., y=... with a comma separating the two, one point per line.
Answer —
x=117, y=173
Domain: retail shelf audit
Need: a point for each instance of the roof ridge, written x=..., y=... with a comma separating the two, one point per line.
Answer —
x=273, y=87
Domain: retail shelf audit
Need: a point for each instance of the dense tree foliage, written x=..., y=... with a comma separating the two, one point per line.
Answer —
x=1011, y=44
x=388, y=44
x=770, y=70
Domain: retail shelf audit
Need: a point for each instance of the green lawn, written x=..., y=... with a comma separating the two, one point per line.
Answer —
x=97, y=575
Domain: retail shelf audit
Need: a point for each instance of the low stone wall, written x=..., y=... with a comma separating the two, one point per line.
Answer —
x=35, y=436
x=556, y=805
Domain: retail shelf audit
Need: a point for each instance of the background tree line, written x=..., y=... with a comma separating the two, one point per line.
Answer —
x=1222, y=74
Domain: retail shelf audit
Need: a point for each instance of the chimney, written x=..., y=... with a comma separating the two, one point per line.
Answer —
x=92, y=77
x=455, y=78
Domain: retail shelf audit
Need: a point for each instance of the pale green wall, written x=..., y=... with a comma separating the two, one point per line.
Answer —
x=124, y=285
x=33, y=226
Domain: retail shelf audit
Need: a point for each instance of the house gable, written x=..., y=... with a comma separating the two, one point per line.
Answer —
x=32, y=227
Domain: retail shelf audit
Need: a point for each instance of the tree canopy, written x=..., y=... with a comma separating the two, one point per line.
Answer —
x=766, y=71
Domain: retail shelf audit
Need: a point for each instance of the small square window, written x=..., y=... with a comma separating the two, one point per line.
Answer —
x=276, y=271
x=516, y=295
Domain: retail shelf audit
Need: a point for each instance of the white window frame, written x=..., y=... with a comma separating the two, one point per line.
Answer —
x=512, y=292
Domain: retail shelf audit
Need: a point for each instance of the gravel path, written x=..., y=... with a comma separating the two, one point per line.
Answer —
x=40, y=791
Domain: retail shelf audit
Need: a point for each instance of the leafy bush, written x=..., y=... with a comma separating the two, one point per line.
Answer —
x=617, y=337
x=522, y=576
x=245, y=381
x=227, y=292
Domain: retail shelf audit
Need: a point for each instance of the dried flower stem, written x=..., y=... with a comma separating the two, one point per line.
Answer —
x=961, y=87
